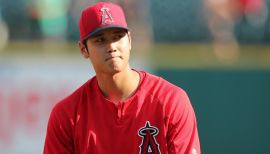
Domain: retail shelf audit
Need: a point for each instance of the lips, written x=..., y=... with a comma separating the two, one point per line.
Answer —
x=112, y=57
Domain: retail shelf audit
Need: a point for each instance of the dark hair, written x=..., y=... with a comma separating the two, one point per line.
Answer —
x=84, y=42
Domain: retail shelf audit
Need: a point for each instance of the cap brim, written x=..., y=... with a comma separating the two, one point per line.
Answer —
x=103, y=28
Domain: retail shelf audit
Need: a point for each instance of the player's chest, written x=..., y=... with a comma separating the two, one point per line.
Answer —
x=129, y=133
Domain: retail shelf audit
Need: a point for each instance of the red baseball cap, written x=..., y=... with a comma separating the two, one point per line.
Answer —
x=100, y=16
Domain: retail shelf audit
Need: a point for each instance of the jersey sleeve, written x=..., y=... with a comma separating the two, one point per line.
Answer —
x=182, y=136
x=58, y=138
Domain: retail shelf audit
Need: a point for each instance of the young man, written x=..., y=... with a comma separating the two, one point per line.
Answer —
x=120, y=110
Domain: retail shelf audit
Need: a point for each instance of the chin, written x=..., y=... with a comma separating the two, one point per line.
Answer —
x=114, y=70
x=116, y=67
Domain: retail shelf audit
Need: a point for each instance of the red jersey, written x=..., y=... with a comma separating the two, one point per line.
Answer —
x=251, y=6
x=157, y=118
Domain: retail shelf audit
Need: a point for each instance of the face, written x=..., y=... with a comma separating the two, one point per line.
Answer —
x=108, y=50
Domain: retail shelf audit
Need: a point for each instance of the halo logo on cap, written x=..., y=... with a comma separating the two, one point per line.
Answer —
x=106, y=15
x=100, y=16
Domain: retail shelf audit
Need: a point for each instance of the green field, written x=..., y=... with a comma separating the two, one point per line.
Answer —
x=177, y=56
x=201, y=56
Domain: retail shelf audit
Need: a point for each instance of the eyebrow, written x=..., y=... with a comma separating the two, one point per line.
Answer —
x=98, y=34
x=118, y=31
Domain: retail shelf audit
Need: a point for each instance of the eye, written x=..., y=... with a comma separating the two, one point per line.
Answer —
x=119, y=36
x=99, y=40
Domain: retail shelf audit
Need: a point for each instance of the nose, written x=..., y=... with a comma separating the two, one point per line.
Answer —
x=112, y=47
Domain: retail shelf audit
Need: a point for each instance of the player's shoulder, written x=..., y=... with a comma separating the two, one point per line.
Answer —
x=160, y=84
x=70, y=102
x=169, y=95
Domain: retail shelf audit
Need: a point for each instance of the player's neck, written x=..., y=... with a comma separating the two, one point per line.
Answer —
x=120, y=86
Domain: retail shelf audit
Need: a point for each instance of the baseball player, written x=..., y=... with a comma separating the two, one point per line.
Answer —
x=120, y=110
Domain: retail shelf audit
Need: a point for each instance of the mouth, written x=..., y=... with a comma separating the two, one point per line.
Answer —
x=113, y=57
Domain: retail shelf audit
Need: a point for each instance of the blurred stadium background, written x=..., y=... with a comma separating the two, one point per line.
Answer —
x=220, y=54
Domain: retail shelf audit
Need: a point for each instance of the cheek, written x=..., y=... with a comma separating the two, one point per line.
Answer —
x=125, y=46
x=95, y=56
x=126, y=55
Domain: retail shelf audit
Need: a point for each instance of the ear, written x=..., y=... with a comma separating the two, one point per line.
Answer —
x=129, y=38
x=83, y=50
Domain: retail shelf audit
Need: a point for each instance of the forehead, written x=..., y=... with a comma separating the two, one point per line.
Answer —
x=109, y=31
